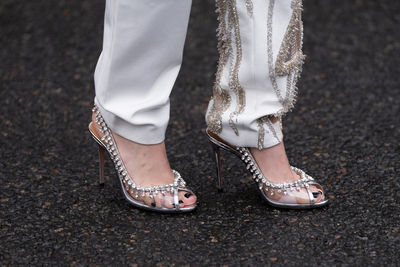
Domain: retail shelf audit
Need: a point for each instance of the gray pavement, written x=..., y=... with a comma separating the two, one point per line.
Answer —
x=345, y=131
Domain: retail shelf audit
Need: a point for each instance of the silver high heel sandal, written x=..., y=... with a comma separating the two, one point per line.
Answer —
x=285, y=195
x=129, y=188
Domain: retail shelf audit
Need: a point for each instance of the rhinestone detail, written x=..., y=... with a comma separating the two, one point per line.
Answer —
x=123, y=175
x=273, y=188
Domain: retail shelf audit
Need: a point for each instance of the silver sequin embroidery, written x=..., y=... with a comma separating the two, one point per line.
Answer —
x=227, y=32
x=221, y=97
x=290, y=57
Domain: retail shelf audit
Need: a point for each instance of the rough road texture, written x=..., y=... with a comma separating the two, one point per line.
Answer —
x=345, y=131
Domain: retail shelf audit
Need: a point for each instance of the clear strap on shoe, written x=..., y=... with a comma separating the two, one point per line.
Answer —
x=130, y=186
x=273, y=188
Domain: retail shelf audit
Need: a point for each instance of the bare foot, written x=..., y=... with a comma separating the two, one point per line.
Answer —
x=148, y=165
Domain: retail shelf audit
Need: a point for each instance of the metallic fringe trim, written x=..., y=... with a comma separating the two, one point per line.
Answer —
x=234, y=71
x=221, y=102
x=227, y=31
x=290, y=57
x=221, y=97
x=261, y=130
x=249, y=6
x=272, y=129
x=289, y=62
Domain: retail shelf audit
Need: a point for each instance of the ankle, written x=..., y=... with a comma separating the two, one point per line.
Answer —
x=274, y=163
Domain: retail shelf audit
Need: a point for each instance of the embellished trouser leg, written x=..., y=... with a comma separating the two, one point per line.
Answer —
x=260, y=61
x=141, y=57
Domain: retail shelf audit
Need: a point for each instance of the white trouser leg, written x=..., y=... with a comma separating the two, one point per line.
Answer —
x=141, y=58
x=260, y=60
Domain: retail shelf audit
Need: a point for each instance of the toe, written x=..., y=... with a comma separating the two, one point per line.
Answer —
x=168, y=201
x=317, y=192
x=186, y=198
x=148, y=201
x=158, y=199
x=317, y=196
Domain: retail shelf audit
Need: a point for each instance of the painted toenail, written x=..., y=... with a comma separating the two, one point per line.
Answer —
x=316, y=194
x=187, y=195
x=180, y=201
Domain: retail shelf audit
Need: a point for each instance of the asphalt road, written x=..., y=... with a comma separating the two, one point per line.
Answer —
x=345, y=131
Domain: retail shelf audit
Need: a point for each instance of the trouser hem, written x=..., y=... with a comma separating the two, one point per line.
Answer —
x=142, y=134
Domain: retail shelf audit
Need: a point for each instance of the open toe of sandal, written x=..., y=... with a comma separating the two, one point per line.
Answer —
x=162, y=198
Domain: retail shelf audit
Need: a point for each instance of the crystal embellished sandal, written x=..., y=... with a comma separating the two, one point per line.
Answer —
x=293, y=195
x=133, y=192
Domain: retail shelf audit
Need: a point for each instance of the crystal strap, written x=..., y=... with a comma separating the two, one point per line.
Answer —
x=130, y=186
x=252, y=166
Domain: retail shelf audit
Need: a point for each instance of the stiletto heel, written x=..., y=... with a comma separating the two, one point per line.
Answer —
x=101, y=164
x=134, y=193
x=217, y=159
x=284, y=195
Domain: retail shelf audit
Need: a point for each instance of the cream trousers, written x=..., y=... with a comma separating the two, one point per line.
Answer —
x=259, y=43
